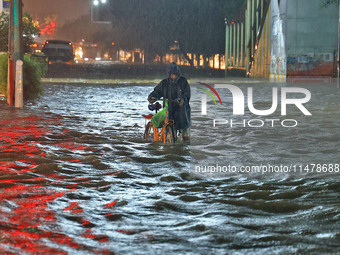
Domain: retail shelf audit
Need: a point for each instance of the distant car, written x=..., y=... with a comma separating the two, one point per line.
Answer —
x=58, y=50
x=39, y=57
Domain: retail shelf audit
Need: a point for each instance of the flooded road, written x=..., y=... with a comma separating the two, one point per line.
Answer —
x=78, y=178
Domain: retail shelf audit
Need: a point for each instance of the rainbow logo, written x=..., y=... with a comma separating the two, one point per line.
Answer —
x=209, y=93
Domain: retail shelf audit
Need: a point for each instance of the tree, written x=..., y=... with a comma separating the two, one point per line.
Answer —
x=78, y=29
x=83, y=28
x=29, y=31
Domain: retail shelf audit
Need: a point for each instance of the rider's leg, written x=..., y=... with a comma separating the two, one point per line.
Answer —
x=185, y=134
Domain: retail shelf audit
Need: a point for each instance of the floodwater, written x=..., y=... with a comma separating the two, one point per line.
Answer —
x=78, y=178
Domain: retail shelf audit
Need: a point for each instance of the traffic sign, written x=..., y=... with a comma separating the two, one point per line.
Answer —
x=5, y=4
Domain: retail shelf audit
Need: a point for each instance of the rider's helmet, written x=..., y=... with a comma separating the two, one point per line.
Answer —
x=173, y=69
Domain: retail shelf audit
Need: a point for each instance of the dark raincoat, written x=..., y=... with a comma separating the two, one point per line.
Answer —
x=174, y=90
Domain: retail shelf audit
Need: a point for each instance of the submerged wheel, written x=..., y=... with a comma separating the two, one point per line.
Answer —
x=170, y=134
x=149, y=132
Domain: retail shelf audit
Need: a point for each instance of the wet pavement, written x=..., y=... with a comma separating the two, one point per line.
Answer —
x=78, y=178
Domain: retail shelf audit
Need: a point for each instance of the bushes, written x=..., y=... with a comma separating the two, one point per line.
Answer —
x=3, y=73
x=33, y=71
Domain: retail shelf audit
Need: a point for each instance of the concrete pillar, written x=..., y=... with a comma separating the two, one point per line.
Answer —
x=252, y=25
x=230, y=43
x=226, y=47
x=263, y=49
x=257, y=16
x=238, y=45
x=278, y=53
x=242, y=45
x=247, y=35
x=267, y=52
x=19, y=96
x=234, y=44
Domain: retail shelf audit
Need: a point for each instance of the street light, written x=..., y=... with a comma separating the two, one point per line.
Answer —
x=99, y=12
x=96, y=2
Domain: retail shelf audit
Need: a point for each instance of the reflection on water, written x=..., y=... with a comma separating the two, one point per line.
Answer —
x=77, y=177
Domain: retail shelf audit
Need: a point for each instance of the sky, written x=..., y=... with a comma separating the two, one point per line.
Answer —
x=65, y=10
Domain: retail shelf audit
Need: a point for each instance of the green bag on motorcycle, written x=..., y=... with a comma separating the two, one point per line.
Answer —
x=158, y=119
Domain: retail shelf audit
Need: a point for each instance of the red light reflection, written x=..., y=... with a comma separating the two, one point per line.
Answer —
x=25, y=194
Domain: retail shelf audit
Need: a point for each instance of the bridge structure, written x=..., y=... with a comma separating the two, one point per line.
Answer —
x=292, y=40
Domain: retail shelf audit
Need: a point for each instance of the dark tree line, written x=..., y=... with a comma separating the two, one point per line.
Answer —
x=154, y=25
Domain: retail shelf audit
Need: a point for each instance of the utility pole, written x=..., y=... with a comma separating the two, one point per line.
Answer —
x=10, y=84
x=16, y=54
